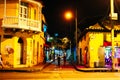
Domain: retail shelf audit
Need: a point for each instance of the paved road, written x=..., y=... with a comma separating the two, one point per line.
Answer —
x=53, y=72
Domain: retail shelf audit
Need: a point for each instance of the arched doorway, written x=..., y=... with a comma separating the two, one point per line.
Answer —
x=21, y=53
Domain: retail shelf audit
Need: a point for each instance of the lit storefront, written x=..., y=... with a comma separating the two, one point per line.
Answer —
x=108, y=55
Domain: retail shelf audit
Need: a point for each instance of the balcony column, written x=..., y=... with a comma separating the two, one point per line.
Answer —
x=4, y=8
x=38, y=12
x=19, y=12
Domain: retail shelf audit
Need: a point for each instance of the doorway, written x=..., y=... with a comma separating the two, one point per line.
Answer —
x=108, y=55
x=22, y=55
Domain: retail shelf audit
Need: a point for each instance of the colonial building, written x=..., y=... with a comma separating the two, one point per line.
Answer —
x=95, y=46
x=21, y=33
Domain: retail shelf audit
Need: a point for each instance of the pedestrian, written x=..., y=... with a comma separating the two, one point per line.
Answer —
x=44, y=58
x=1, y=61
x=64, y=59
x=50, y=57
x=58, y=58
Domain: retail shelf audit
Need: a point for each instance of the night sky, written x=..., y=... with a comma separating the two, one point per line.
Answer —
x=88, y=13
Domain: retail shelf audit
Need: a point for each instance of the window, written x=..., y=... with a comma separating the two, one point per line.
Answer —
x=23, y=10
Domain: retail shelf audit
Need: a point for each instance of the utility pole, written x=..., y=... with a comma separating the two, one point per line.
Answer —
x=113, y=16
x=76, y=35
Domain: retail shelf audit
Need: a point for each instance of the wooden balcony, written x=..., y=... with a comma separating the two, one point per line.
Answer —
x=21, y=23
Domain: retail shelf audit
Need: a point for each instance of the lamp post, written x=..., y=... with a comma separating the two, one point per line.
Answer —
x=76, y=34
x=113, y=16
x=69, y=16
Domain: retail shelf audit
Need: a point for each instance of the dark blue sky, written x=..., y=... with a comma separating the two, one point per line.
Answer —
x=88, y=13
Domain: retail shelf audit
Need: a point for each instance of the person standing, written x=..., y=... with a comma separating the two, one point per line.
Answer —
x=58, y=58
x=64, y=59
x=1, y=61
x=44, y=58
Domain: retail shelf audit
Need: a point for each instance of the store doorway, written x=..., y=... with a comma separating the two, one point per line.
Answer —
x=108, y=56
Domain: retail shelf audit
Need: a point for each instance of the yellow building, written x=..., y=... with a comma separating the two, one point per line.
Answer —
x=95, y=46
x=21, y=32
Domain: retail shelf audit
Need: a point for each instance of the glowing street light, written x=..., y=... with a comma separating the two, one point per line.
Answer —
x=69, y=16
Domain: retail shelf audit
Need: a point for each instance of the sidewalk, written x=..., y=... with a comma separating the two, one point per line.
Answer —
x=26, y=69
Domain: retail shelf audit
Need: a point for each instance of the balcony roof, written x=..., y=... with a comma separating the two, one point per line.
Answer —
x=33, y=2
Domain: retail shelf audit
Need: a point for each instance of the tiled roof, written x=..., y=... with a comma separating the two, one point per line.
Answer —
x=98, y=27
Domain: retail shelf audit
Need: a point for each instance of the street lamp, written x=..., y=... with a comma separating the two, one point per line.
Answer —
x=113, y=16
x=69, y=16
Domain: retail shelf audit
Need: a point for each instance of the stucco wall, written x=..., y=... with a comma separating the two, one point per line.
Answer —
x=96, y=40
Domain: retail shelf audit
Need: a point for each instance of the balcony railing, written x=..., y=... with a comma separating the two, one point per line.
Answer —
x=21, y=23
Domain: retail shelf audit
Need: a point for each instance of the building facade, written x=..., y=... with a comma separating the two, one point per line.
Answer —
x=95, y=47
x=21, y=33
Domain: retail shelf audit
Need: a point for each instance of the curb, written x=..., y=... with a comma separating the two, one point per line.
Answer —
x=94, y=70
x=100, y=70
x=19, y=70
x=25, y=69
